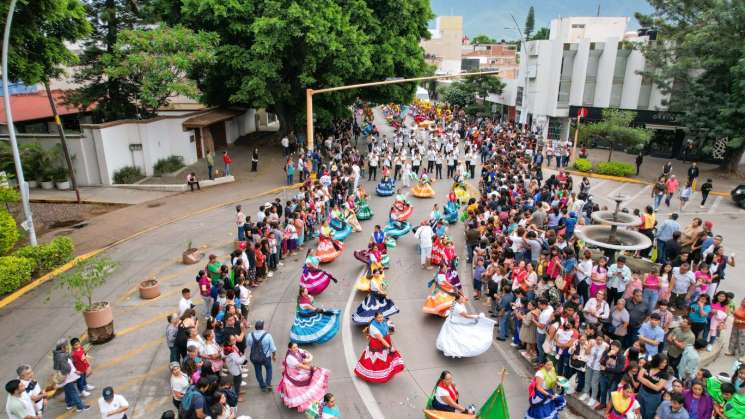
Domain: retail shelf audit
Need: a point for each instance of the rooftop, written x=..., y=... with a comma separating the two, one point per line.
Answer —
x=33, y=106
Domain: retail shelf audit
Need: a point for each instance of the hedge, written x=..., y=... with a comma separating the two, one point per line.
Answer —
x=127, y=175
x=583, y=165
x=14, y=272
x=50, y=255
x=8, y=232
x=168, y=165
x=615, y=168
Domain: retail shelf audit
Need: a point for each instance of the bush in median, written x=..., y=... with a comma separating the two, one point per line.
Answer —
x=49, y=255
x=128, y=175
x=615, y=168
x=14, y=272
x=8, y=232
x=583, y=165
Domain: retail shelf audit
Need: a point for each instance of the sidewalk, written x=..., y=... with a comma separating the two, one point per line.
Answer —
x=651, y=168
x=97, y=195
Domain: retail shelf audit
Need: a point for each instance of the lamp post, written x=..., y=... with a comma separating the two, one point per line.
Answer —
x=29, y=223
x=524, y=50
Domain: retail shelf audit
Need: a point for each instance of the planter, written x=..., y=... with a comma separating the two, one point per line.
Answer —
x=63, y=186
x=100, y=321
x=47, y=184
x=149, y=289
x=32, y=184
x=192, y=256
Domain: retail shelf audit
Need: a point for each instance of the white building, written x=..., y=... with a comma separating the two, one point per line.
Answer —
x=586, y=62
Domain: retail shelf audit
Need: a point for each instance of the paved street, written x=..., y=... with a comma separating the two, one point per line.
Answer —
x=135, y=362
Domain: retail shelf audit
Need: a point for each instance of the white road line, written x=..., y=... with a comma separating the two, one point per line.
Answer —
x=598, y=184
x=616, y=191
x=715, y=205
x=363, y=389
x=636, y=195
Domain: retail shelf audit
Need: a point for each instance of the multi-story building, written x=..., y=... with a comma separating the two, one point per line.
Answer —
x=587, y=62
x=443, y=49
x=490, y=57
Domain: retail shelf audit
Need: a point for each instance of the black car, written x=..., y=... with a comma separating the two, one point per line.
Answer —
x=738, y=195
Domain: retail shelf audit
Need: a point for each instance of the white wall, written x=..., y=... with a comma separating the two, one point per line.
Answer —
x=247, y=122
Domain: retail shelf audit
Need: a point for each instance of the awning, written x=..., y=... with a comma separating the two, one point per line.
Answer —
x=211, y=117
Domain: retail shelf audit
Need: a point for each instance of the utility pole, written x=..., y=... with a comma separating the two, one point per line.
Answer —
x=63, y=140
x=310, y=92
x=28, y=225
x=524, y=43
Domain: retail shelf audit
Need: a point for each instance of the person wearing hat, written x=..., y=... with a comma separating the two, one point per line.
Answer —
x=112, y=406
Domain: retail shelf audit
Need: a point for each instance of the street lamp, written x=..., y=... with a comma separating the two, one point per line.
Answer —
x=523, y=41
x=29, y=223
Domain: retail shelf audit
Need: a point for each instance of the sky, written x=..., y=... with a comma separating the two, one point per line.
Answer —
x=492, y=17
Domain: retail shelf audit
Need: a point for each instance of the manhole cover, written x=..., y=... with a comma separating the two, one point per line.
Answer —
x=65, y=223
x=154, y=204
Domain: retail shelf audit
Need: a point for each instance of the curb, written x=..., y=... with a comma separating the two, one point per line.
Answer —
x=82, y=202
x=15, y=295
x=626, y=180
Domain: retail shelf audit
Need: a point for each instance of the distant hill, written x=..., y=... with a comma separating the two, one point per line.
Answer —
x=491, y=17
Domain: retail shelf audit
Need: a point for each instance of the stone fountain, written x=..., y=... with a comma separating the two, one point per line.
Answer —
x=607, y=236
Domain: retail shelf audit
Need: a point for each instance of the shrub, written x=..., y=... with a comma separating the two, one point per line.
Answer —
x=8, y=232
x=14, y=272
x=128, y=174
x=50, y=255
x=615, y=168
x=168, y=165
x=583, y=165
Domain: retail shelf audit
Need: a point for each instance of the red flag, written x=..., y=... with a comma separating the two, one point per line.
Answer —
x=582, y=113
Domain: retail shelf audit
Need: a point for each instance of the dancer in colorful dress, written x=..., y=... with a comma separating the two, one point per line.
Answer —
x=445, y=397
x=338, y=223
x=373, y=258
x=351, y=218
x=380, y=361
x=545, y=403
x=313, y=278
x=386, y=187
x=397, y=228
x=423, y=189
x=313, y=324
x=465, y=335
x=460, y=189
x=363, y=208
x=375, y=302
x=302, y=384
x=401, y=209
x=328, y=248
x=451, y=209
x=324, y=409
x=364, y=282
x=440, y=301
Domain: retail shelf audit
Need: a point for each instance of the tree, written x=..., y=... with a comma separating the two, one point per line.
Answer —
x=157, y=62
x=483, y=39
x=701, y=64
x=468, y=92
x=542, y=33
x=530, y=22
x=111, y=95
x=616, y=129
x=270, y=51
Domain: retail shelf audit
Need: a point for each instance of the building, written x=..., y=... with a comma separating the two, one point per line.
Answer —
x=32, y=113
x=443, y=49
x=490, y=57
x=587, y=62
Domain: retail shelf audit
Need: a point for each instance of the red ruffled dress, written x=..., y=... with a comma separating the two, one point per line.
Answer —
x=377, y=363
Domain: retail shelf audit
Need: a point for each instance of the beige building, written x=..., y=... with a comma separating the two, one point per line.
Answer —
x=443, y=49
x=491, y=57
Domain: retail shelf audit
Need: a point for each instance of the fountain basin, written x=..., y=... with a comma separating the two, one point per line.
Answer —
x=619, y=219
x=599, y=235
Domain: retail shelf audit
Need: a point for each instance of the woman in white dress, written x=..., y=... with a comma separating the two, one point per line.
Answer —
x=463, y=334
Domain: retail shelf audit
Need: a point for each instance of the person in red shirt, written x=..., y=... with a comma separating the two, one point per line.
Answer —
x=228, y=161
x=81, y=364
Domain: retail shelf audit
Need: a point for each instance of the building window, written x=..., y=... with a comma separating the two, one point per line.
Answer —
x=592, y=73
x=519, y=96
x=619, y=72
x=578, y=26
x=644, y=92
x=554, y=129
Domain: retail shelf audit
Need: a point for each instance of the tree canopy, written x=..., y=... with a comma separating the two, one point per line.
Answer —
x=530, y=22
x=616, y=130
x=157, y=63
x=542, y=33
x=37, y=38
x=270, y=51
x=468, y=92
x=699, y=60
x=483, y=39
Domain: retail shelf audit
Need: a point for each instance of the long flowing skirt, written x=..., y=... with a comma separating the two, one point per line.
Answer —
x=363, y=282
x=311, y=327
x=384, y=189
x=363, y=210
x=342, y=230
x=395, y=231
x=423, y=190
x=328, y=249
x=451, y=213
x=353, y=222
x=362, y=256
x=377, y=364
x=314, y=280
x=462, y=193
x=301, y=397
x=543, y=407
x=460, y=338
x=373, y=303
x=401, y=212
x=439, y=303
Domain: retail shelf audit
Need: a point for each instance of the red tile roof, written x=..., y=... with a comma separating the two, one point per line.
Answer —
x=32, y=106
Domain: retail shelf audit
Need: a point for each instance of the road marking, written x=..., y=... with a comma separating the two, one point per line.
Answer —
x=715, y=205
x=636, y=195
x=137, y=326
x=130, y=353
x=597, y=184
x=363, y=389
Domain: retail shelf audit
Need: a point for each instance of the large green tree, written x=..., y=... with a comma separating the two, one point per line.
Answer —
x=699, y=60
x=158, y=62
x=469, y=93
x=270, y=51
x=530, y=22
x=615, y=128
x=483, y=39
x=542, y=33
x=111, y=95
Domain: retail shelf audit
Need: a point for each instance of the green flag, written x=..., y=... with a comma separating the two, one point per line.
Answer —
x=496, y=406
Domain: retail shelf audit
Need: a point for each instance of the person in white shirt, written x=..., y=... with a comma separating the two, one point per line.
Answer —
x=112, y=406
x=596, y=309
x=32, y=388
x=240, y=222
x=424, y=234
x=542, y=325
x=185, y=302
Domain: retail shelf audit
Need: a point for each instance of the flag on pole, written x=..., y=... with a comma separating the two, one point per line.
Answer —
x=496, y=406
